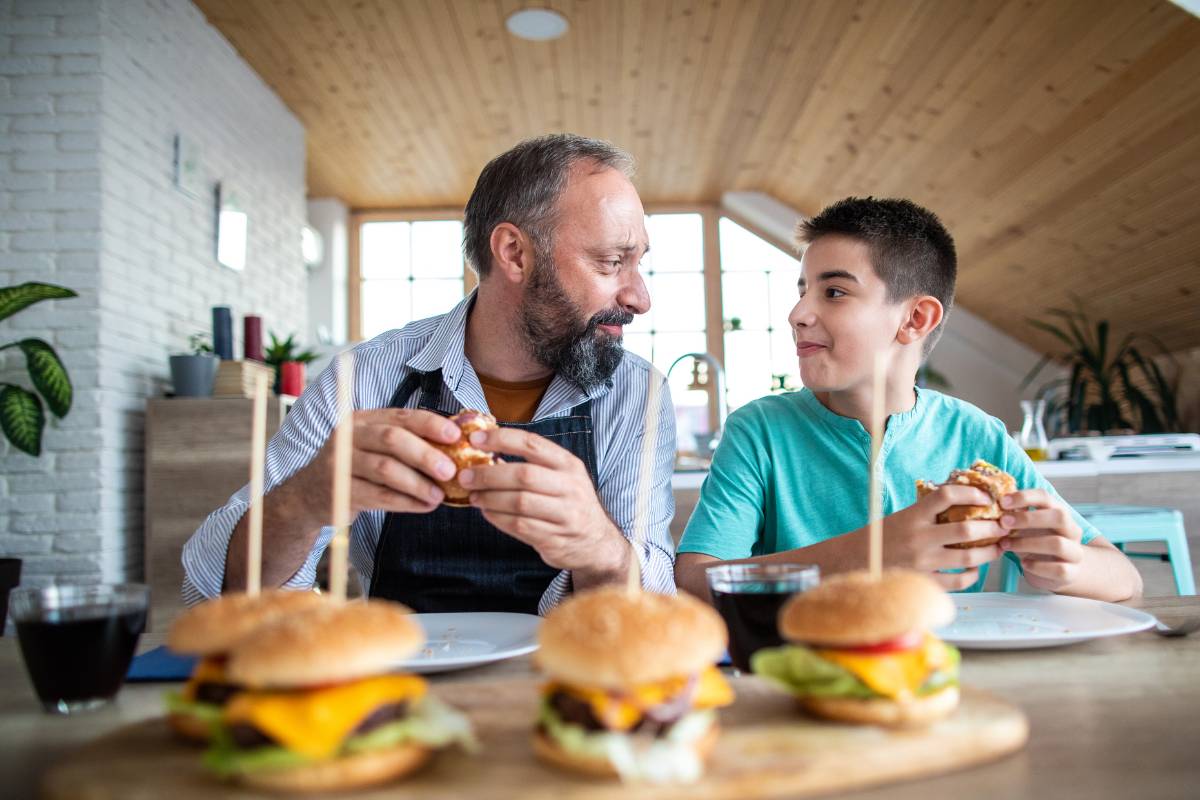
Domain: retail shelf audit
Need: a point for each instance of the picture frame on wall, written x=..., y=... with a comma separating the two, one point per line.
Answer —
x=232, y=227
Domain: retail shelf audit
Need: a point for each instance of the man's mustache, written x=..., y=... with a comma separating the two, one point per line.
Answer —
x=613, y=316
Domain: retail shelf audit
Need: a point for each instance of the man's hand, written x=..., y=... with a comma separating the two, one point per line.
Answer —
x=1046, y=538
x=549, y=503
x=393, y=464
x=913, y=537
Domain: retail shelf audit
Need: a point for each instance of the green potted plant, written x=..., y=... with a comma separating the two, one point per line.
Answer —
x=193, y=373
x=1110, y=387
x=21, y=415
x=280, y=352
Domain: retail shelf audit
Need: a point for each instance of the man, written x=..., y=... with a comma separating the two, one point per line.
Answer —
x=555, y=230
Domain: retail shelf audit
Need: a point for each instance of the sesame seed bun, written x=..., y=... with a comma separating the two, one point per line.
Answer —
x=550, y=752
x=852, y=609
x=882, y=711
x=464, y=454
x=215, y=626
x=331, y=644
x=348, y=772
x=982, y=475
x=611, y=638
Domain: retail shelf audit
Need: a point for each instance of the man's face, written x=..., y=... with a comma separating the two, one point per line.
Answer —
x=583, y=292
x=843, y=317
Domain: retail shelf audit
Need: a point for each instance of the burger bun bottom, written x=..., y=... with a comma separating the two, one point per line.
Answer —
x=350, y=772
x=881, y=711
x=550, y=752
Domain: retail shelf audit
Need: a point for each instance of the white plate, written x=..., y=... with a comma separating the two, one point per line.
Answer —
x=1001, y=621
x=470, y=639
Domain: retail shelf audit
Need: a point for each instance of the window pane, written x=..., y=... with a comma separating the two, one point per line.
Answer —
x=744, y=295
x=676, y=242
x=677, y=301
x=385, y=305
x=670, y=346
x=743, y=251
x=747, y=365
x=784, y=294
x=638, y=343
x=437, y=249
x=642, y=323
x=432, y=297
x=784, y=360
x=385, y=250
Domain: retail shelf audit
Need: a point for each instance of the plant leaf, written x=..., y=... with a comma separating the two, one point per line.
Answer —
x=1052, y=330
x=48, y=375
x=23, y=295
x=21, y=418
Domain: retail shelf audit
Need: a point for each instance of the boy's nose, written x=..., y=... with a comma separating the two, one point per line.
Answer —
x=801, y=316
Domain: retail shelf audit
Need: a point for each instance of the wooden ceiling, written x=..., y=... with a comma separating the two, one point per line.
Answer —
x=1059, y=140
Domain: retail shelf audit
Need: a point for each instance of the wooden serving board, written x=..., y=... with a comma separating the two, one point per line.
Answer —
x=767, y=749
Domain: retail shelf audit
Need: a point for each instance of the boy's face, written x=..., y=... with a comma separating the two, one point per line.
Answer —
x=843, y=317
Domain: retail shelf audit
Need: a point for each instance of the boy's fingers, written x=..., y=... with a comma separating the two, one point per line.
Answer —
x=971, y=530
x=956, y=581
x=1050, y=519
x=1052, y=546
x=956, y=494
x=1027, y=498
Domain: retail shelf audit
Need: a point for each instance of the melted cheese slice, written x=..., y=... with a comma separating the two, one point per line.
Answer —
x=895, y=675
x=210, y=670
x=620, y=712
x=315, y=723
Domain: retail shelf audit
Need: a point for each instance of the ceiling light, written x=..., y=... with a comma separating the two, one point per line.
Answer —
x=537, y=24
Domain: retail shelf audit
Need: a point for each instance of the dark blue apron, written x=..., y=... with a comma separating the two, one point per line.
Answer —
x=452, y=559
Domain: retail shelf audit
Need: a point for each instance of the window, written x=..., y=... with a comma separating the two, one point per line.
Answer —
x=408, y=270
x=758, y=290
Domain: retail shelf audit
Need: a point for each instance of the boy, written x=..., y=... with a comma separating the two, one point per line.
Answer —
x=789, y=480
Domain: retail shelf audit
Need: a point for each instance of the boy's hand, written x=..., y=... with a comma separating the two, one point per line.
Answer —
x=1045, y=536
x=913, y=538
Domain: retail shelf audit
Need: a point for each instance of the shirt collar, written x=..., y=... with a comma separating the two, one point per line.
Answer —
x=895, y=423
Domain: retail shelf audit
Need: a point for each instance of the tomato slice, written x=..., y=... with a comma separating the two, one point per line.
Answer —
x=909, y=641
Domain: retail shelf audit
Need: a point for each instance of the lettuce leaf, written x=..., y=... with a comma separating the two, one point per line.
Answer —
x=429, y=722
x=805, y=674
x=206, y=712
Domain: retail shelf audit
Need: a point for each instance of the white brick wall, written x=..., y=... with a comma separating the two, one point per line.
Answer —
x=92, y=94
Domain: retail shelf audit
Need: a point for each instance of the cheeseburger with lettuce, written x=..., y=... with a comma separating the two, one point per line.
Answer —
x=633, y=691
x=860, y=650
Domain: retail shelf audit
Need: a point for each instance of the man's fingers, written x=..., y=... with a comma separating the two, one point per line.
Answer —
x=509, y=476
x=956, y=581
x=425, y=424
x=407, y=447
x=368, y=496
x=533, y=532
x=384, y=470
x=529, y=446
x=520, y=504
x=1049, y=545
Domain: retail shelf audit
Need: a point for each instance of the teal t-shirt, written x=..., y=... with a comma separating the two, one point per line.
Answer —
x=790, y=473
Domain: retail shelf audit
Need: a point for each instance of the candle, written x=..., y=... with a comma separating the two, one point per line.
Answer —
x=291, y=378
x=222, y=323
x=252, y=344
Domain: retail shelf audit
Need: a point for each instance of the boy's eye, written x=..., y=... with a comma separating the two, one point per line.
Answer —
x=834, y=293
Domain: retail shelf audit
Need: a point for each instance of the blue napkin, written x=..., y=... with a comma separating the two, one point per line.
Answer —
x=160, y=664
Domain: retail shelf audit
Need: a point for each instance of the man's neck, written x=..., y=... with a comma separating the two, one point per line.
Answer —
x=494, y=343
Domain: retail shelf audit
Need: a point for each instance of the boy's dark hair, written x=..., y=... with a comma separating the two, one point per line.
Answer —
x=911, y=250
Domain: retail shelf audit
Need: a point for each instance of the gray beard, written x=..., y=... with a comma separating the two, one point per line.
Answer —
x=558, y=337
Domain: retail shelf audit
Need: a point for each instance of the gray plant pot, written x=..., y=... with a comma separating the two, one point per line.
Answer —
x=193, y=375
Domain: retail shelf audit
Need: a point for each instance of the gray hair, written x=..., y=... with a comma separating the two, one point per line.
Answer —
x=522, y=187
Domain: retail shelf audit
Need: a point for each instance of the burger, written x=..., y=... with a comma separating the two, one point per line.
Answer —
x=464, y=454
x=632, y=689
x=322, y=710
x=859, y=650
x=982, y=475
x=210, y=630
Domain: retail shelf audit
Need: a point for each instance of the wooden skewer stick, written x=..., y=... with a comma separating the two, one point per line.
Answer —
x=641, y=512
x=875, y=506
x=258, y=457
x=343, y=447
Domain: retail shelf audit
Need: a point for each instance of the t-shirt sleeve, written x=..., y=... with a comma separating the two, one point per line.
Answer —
x=1016, y=462
x=728, y=519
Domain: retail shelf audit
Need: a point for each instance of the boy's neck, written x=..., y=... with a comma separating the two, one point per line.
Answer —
x=855, y=403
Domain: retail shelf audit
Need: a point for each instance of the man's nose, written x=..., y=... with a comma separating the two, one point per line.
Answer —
x=633, y=296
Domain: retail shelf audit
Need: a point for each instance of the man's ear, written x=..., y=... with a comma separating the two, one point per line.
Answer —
x=512, y=253
x=925, y=313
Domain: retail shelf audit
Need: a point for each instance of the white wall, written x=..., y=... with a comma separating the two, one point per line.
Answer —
x=983, y=364
x=145, y=269
x=328, y=281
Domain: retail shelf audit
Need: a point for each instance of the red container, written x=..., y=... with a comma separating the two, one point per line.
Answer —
x=291, y=378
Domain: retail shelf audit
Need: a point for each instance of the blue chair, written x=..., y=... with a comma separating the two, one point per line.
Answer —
x=1124, y=525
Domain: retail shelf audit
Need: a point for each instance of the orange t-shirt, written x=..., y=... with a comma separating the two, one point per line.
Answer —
x=513, y=402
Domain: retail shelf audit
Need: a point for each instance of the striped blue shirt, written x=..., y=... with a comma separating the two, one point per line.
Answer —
x=618, y=411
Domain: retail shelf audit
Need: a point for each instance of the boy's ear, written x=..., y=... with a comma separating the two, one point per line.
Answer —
x=925, y=313
x=512, y=252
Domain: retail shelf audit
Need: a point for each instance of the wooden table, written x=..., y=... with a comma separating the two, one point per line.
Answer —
x=1111, y=718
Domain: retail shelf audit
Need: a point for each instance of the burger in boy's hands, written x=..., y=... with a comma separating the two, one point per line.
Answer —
x=982, y=475
x=464, y=454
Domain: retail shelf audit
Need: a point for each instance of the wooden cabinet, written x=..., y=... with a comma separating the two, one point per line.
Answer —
x=197, y=455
